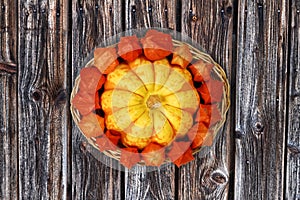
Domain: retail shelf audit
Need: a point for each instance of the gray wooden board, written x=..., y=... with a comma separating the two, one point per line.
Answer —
x=293, y=138
x=42, y=99
x=8, y=32
x=92, y=22
x=8, y=108
x=261, y=81
x=210, y=24
x=8, y=137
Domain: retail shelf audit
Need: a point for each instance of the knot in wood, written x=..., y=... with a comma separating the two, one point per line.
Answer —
x=36, y=95
x=218, y=177
x=258, y=127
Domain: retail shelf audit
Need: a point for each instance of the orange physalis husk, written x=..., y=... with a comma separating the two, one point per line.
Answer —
x=177, y=149
x=157, y=45
x=185, y=158
x=182, y=56
x=105, y=59
x=84, y=102
x=215, y=114
x=153, y=154
x=113, y=138
x=92, y=125
x=211, y=91
x=105, y=144
x=101, y=82
x=97, y=101
x=129, y=48
x=201, y=70
x=208, y=114
x=203, y=114
x=129, y=156
x=89, y=79
x=208, y=139
x=114, y=132
x=197, y=134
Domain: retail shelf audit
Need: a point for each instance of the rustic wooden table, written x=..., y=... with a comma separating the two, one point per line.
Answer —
x=42, y=47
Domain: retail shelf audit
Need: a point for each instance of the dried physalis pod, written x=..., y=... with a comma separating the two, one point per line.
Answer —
x=129, y=157
x=157, y=45
x=84, y=102
x=105, y=59
x=92, y=125
x=208, y=114
x=129, y=48
x=197, y=134
x=180, y=153
x=153, y=154
x=201, y=70
x=182, y=56
x=89, y=79
x=211, y=91
x=104, y=143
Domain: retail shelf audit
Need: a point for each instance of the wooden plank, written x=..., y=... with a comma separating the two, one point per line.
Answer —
x=92, y=22
x=293, y=138
x=8, y=137
x=8, y=32
x=159, y=184
x=42, y=99
x=261, y=99
x=210, y=24
x=8, y=107
x=150, y=13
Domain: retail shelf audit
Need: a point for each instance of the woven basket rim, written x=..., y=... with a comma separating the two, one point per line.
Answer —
x=197, y=54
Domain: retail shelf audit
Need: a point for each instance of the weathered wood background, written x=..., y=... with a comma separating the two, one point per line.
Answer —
x=42, y=47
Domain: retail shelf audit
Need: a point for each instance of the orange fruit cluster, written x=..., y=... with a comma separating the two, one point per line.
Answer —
x=149, y=100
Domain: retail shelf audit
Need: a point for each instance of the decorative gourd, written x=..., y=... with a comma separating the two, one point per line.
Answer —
x=149, y=101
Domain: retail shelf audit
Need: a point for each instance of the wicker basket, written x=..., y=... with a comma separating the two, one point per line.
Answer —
x=217, y=73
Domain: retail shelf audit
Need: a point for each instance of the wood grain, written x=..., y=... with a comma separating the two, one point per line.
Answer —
x=210, y=24
x=8, y=137
x=42, y=99
x=293, y=137
x=8, y=107
x=92, y=22
x=158, y=184
x=43, y=46
x=261, y=99
x=8, y=32
x=150, y=13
